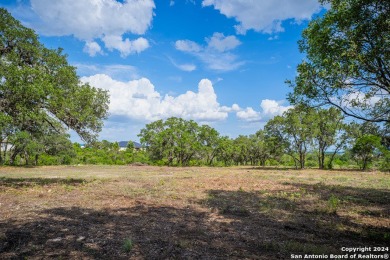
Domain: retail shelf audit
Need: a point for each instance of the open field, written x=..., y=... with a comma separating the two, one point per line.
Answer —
x=144, y=212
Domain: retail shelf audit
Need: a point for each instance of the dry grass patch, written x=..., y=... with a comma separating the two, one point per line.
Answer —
x=95, y=212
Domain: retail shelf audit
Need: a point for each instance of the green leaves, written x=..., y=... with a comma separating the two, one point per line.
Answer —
x=348, y=60
x=366, y=148
x=174, y=140
x=39, y=90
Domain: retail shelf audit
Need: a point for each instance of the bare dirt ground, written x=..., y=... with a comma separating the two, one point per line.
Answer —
x=144, y=212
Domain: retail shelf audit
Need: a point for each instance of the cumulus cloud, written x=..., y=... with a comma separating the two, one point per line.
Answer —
x=138, y=99
x=273, y=108
x=216, y=53
x=264, y=16
x=249, y=115
x=92, y=48
x=126, y=47
x=107, y=20
x=221, y=43
x=269, y=109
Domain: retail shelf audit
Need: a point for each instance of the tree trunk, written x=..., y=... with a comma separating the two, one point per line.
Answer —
x=12, y=158
x=262, y=163
x=36, y=159
x=301, y=160
x=323, y=160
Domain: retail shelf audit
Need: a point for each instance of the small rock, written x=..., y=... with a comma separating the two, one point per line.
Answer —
x=81, y=238
x=58, y=239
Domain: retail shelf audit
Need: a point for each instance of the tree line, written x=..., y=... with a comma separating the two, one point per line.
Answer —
x=299, y=133
x=302, y=137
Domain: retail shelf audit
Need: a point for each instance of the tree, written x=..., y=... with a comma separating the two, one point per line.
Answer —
x=274, y=142
x=39, y=90
x=294, y=132
x=365, y=149
x=225, y=150
x=156, y=142
x=347, y=61
x=328, y=132
x=59, y=145
x=261, y=147
x=130, y=150
x=174, y=140
x=209, y=140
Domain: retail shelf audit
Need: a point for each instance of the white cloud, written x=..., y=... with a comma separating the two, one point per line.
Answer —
x=264, y=16
x=92, y=48
x=187, y=46
x=269, y=109
x=216, y=53
x=275, y=37
x=97, y=19
x=358, y=98
x=235, y=107
x=138, y=99
x=249, y=115
x=221, y=43
x=126, y=46
x=184, y=67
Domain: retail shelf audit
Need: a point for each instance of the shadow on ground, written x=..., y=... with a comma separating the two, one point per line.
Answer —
x=155, y=232
x=231, y=225
x=285, y=222
x=292, y=168
x=29, y=182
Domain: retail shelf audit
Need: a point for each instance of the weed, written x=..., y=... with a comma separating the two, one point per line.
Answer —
x=67, y=187
x=127, y=245
x=376, y=235
x=265, y=206
x=307, y=248
x=333, y=204
x=235, y=211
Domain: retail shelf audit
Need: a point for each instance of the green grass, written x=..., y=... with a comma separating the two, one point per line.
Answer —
x=127, y=245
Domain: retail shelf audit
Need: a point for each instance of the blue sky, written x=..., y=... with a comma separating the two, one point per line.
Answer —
x=218, y=62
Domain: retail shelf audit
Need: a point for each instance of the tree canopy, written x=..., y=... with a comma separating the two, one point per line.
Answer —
x=347, y=61
x=39, y=90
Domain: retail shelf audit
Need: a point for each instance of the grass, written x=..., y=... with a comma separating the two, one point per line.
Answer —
x=127, y=245
x=333, y=204
x=237, y=212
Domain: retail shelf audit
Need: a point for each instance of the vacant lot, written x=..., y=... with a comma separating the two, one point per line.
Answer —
x=143, y=212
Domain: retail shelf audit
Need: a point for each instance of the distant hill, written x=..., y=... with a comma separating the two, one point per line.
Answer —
x=123, y=144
